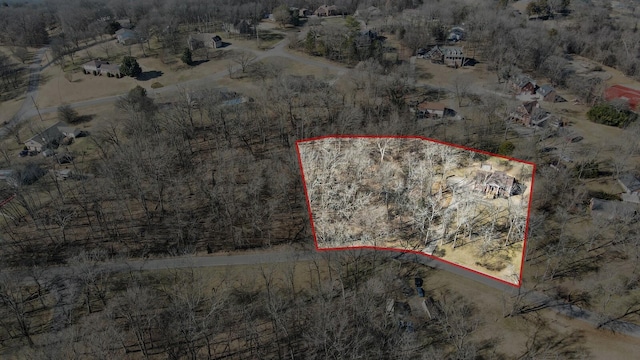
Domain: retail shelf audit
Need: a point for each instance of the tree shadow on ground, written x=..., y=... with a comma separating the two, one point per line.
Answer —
x=148, y=75
x=198, y=62
x=83, y=118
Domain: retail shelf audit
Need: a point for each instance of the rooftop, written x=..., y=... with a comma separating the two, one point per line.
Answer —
x=545, y=90
x=630, y=181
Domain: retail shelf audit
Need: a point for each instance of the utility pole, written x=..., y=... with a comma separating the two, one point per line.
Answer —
x=36, y=106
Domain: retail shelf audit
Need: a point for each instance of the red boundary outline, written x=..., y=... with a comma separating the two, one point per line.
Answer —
x=313, y=230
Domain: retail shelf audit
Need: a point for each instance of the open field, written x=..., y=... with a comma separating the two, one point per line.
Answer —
x=8, y=108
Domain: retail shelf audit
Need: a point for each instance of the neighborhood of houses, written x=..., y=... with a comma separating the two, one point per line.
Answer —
x=528, y=114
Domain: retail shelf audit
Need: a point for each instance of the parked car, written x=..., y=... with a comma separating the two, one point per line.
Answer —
x=23, y=153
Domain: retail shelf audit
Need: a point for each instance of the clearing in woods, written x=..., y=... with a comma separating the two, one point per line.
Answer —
x=462, y=206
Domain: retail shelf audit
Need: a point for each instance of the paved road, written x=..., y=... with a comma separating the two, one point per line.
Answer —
x=28, y=104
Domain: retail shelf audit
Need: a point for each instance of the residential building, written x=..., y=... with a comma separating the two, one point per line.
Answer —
x=99, y=67
x=529, y=114
x=207, y=40
x=326, y=10
x=549, y=94
x=127, y=37
x=428, y=109
x=51, y=137
x=522, y=84
x=614, y=210
x=304, y=12
x=496, y=183
x=125, y=23
x=449, y=55
x=240, y=27
x=631, y=186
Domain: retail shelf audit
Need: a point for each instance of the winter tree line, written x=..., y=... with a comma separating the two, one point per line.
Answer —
x=171, y=178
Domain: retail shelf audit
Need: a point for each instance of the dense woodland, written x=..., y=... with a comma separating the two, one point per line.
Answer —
x=171, y=178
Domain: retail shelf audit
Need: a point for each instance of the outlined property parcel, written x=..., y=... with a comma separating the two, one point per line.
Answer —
x=458, y=205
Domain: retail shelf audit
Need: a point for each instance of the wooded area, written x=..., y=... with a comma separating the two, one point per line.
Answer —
x=179, y=172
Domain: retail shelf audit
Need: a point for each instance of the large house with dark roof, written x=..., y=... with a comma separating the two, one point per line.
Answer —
x=449, y=55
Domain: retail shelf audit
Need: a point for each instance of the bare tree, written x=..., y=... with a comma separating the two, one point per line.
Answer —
x=243, y=58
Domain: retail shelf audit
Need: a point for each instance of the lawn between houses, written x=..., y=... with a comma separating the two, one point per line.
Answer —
x=417, y=195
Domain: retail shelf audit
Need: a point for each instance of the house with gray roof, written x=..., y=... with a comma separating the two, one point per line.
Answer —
x=614, y=210
x=549, y=94
x=51, y=137
x=631, y=185
x=127, y=37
